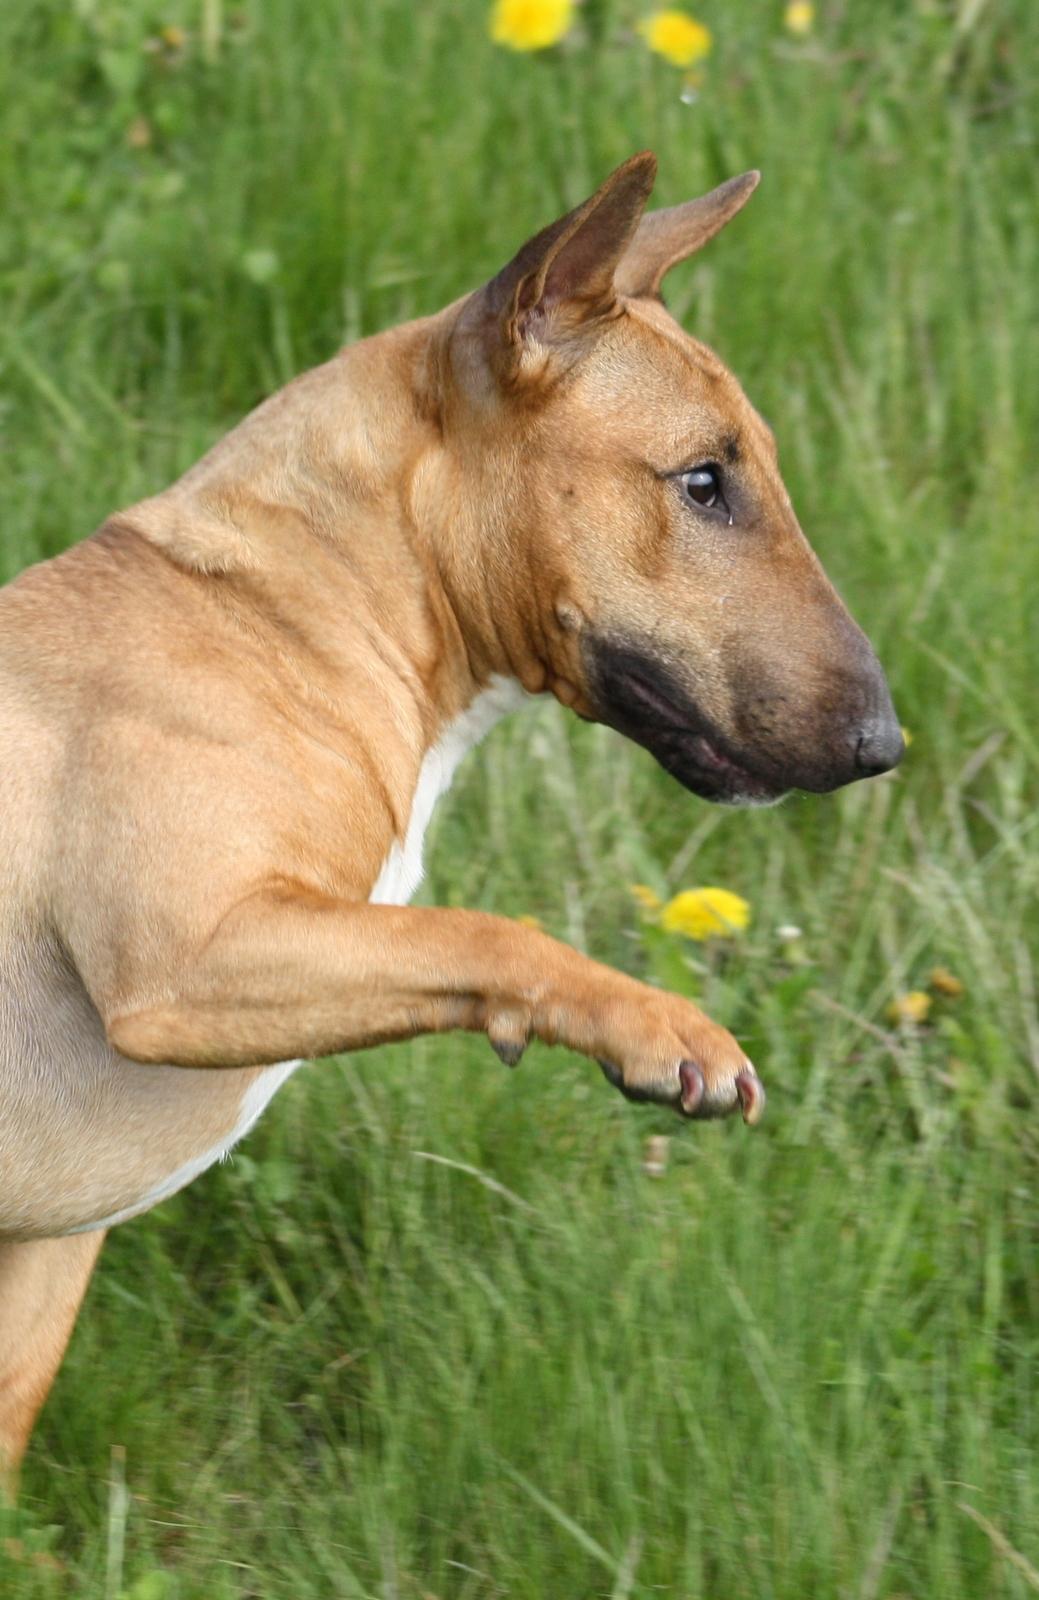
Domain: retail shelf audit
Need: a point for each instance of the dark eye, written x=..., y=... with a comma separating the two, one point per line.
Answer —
x=703, y=486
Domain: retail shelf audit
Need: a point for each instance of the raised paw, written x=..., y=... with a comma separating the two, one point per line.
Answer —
x=674, y=1055
x=747, y=1092
x=651, y=1045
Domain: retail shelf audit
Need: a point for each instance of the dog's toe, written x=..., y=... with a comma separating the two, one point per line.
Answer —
x=751, y=1094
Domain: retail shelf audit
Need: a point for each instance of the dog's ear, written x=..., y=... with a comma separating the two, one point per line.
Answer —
x=562, y=279
x=664, y=238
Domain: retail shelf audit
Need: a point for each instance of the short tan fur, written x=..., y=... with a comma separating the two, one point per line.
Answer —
x=225, y=717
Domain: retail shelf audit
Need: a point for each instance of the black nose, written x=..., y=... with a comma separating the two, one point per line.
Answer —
x=880, y=746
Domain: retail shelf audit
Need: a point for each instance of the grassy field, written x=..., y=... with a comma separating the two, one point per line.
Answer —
x=435, y=1332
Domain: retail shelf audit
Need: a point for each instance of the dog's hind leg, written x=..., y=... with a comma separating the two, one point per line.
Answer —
x=42, y=1283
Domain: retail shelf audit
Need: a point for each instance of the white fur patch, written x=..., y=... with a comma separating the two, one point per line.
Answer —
x=401, y=872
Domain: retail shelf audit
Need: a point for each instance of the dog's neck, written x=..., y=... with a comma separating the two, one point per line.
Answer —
x=334, y=500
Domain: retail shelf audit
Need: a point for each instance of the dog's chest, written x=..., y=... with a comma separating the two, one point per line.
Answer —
x=401, y=872
x=192, y=1136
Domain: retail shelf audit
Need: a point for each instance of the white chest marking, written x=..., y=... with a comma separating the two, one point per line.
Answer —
x=401, y=872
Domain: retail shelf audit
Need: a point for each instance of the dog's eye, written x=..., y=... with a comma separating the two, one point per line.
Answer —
x=703, y=486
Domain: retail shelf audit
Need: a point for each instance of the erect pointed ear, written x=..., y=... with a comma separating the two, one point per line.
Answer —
x=666, y=237
x=563, y=277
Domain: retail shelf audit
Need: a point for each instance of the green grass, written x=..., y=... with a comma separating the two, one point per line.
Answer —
x=804, y=1362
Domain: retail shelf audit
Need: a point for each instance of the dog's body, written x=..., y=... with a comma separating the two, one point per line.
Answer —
x=225, y=719
x=195, y=733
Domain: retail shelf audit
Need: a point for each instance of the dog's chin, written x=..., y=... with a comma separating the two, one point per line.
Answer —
x=702, y=767
x=635, y=694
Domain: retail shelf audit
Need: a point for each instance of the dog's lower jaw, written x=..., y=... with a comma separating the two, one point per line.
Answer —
x=692, y=767
x=636, y=695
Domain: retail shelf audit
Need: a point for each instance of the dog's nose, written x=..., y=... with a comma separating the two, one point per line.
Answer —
x=880, y=746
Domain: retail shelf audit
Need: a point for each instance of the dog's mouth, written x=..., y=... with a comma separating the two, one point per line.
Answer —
x=636, y=694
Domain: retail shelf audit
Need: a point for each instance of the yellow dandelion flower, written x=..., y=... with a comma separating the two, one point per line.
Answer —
x=908, y=1010
x=907, y=737
x=799, y=16
x=527, y=921
x=648, y=900
x=531, y=24
x=676, y=36
x=706, y=914
x=944, y=982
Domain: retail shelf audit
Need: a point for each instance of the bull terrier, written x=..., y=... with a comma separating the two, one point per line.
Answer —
x=225, y=719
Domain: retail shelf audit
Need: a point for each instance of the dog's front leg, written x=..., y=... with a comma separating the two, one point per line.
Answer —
x=293, y=974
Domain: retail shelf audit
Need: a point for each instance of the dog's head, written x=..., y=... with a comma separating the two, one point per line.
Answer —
x=641, y=555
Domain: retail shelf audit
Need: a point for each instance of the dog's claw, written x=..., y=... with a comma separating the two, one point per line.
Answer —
x=509, y=1050
x=691, y=1080
x=751, y=1092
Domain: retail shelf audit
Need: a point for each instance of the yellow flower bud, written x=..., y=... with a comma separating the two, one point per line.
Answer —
x=799, y=16
x=909, y=1010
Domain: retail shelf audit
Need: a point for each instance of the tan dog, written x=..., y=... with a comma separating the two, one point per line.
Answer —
x=225, y=719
